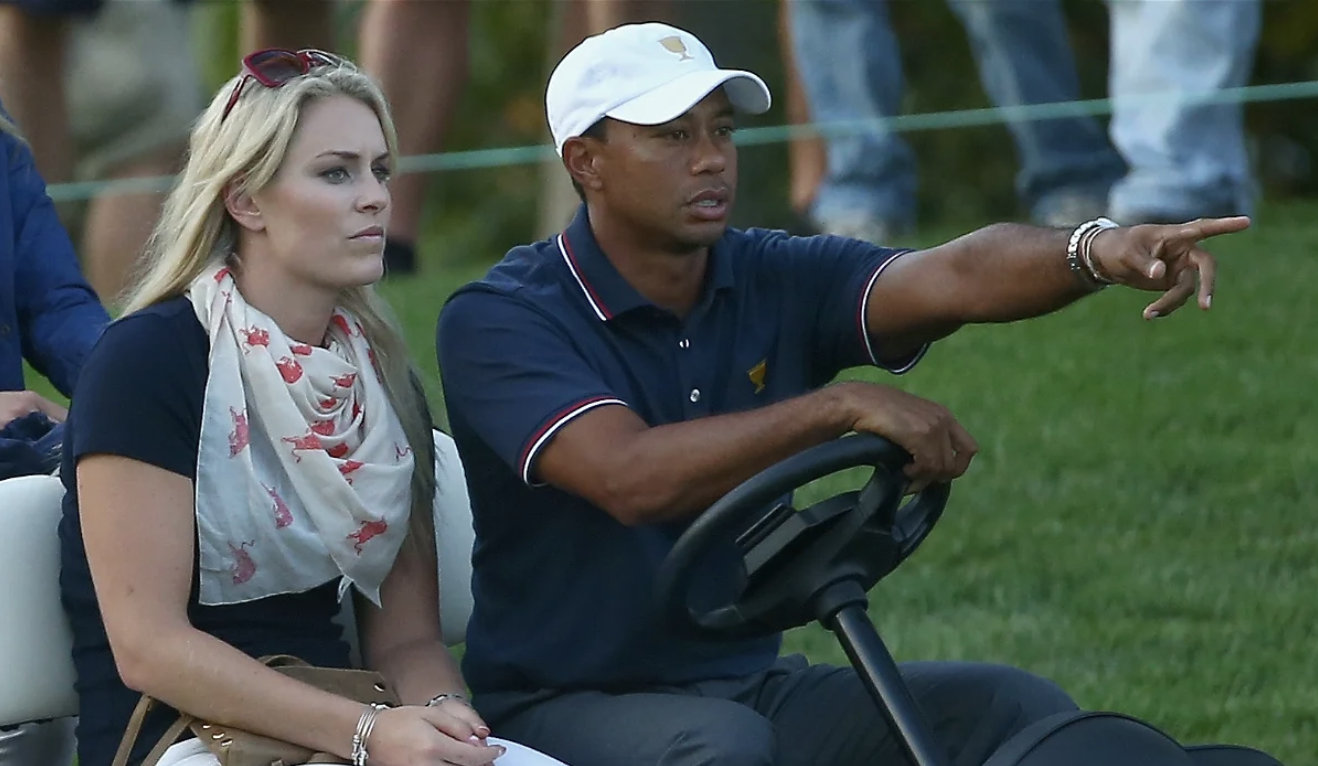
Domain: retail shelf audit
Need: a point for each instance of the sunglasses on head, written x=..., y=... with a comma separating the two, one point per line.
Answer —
x=274, y=67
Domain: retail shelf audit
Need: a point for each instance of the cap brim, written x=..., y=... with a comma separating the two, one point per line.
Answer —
x=746, y=91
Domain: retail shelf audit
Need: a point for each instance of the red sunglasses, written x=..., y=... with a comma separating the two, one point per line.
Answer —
x=274, y=67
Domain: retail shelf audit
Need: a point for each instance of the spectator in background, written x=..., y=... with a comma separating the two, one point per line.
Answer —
x=1186, y=161
x=50, y=317
x=286, y=24
x=419, y=53
x=107, y=90
x=850, y=67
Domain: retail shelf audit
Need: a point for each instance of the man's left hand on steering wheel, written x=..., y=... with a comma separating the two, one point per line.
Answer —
x=1164, y=258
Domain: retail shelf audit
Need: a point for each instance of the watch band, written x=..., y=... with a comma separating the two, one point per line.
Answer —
x=441, y=698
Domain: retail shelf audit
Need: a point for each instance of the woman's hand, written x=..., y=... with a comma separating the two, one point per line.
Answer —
x=429, y=736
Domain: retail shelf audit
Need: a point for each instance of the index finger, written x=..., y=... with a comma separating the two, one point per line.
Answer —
x=1211, y=227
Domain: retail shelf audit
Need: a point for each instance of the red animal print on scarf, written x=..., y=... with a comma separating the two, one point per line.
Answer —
x=306, y=443
x=342, y=323
x=323, y=427
x=369, y=529
x=301, y=349
x=348, y=467
x=289, y=369
x=344, y=381
x=337, y=450
x=240, y=435
x=255, y=336
x=283, y=516
x=242, y=568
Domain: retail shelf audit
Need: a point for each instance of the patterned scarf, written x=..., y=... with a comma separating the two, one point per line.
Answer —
x=303, y=471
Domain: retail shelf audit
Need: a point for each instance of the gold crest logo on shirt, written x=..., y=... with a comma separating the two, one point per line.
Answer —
x=757, y=373
x=674, y=44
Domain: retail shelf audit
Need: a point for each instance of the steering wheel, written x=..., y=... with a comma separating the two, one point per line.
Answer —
x=799, y=566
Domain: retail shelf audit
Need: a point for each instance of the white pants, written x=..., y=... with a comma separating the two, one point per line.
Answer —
x=193, y=753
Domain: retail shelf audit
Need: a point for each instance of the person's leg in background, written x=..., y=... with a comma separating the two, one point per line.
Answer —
x=32, y=49
x=129, y=118
x=603, y=15
x=807, y=156
x=48, y=743
x=851, y=70
x=574, y=21
x=1024, y=57
x=294, y=24
x=417, y=50
x=1186, y=161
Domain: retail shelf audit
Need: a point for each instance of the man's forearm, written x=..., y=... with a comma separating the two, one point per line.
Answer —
x=1000, y=273
x=1006, y=272
x=643, y=475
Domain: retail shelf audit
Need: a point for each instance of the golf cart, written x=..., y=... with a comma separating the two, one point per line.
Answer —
x=814, y=564
x=819, y=562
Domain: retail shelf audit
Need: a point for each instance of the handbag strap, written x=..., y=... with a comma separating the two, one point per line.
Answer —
x=177, y=728
x=135, y=722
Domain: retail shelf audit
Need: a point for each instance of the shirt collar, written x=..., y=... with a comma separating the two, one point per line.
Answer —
x=609, y=294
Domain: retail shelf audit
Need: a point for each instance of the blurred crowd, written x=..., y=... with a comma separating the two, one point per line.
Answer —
x=107, y=89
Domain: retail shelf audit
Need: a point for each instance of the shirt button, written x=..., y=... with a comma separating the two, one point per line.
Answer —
x=695, y=395
x=684, y=343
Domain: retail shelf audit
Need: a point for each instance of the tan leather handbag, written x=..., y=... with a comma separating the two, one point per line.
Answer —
x=235, y=747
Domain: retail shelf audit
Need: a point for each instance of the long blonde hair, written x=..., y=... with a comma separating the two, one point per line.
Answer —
x=245, y=149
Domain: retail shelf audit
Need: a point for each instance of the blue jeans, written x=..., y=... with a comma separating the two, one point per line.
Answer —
x=850, y=69
x=1185, y=160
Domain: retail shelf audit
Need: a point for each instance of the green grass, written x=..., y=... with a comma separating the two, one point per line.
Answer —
x=1139, y=523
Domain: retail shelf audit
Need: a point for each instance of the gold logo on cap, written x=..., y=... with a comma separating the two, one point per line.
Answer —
x=674, y=44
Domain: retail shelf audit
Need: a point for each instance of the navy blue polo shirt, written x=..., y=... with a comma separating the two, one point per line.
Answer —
x=564, y=594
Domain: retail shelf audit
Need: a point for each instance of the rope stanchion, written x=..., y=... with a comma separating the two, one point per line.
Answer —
x=960, y=118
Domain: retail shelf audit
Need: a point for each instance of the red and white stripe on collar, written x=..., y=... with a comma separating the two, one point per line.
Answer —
x=565, y=249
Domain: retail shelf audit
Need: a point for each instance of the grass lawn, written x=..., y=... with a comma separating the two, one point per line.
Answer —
x=1137, y=524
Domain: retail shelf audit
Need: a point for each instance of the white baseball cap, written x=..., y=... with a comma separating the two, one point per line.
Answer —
x=645, y=74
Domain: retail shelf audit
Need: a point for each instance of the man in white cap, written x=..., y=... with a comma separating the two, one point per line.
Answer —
x=607, y=385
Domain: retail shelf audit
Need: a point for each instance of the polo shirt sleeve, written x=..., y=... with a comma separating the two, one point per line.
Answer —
x=826, y=281
x=514, y=374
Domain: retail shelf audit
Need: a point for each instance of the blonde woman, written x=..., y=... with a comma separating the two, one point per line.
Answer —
x=249, y=442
